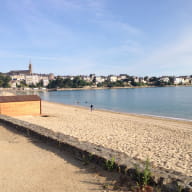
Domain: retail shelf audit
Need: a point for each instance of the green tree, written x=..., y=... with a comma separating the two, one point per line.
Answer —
x=32, y=85
x=1, y=83
x=22, y=84
x=146, y=78
x=4, y=81
x=59, y=82
x=67, y=83
x=171, y=80
x=153, y=79
x=94, y=80
x=40, y=84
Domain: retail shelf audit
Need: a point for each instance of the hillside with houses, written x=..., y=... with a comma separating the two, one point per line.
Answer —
x=27, y=79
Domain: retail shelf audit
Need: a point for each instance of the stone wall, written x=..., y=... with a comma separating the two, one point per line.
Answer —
x=167, y=179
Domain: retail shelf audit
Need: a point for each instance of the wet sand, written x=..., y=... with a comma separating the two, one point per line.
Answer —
x=167, y=143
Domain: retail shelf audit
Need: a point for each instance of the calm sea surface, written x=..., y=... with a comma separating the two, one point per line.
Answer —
x=175, y=102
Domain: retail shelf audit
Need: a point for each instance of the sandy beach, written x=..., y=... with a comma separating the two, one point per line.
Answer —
x=167, y=143
x=28, y=165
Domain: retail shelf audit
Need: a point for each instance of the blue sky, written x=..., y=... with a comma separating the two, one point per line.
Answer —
x=72, y=37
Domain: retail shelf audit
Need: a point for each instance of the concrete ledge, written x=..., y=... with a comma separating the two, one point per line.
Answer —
x=167, y=179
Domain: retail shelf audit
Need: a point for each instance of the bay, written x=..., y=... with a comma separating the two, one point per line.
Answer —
x=172, y=102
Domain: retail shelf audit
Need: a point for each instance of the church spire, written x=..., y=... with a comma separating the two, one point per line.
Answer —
x=30, y=67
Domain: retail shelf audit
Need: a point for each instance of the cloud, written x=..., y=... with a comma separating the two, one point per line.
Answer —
x=171, y=58
x=65, y=4
x=97, y=13
x=127, y=47
x=114, y=26
x=76, y=5
x=128, y=28
x=36, y=27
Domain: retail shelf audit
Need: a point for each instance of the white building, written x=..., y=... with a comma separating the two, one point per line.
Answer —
x=186, y=80
x=13, y=83
x=32, y=79
x=136, y=79
x=19, y=77
x=179, y=80
x=164, y=79
x=142, y=80
x=100, y=79
x=86, y=78
x=51, y=76
x=45, y=82
x=122, y=77
x=112, y=78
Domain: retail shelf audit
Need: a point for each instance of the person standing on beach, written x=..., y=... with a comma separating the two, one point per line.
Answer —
x=91, y=107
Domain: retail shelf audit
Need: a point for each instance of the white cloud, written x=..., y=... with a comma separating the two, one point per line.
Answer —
x=118, y=27
x=40, y=30
x=76, y=5
x=65, y=4
x=126, y=47
x=128, y=28
x=171, y=58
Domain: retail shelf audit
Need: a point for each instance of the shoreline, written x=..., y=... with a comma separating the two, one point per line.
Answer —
x=125, y=113
x=126, y=87
x=145, y=115
x=84, y=88
x=96, y=88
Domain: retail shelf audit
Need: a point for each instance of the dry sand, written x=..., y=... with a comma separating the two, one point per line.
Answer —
x=31, y=166
x=167, y=143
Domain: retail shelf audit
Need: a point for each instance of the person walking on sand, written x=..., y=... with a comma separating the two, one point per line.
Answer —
x=91, y=107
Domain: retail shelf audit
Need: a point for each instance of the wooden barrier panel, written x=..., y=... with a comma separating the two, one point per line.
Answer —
x=21, y=108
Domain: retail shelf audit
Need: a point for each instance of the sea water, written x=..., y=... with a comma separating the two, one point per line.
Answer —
x=172, y=102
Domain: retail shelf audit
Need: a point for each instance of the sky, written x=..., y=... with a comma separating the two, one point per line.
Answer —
x=76, y=37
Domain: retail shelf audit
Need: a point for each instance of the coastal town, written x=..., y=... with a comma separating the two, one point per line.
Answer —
x=27, y=79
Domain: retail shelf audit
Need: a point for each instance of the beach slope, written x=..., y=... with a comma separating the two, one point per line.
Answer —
x=166, y=142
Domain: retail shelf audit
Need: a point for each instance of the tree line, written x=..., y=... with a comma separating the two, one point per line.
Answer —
x=4, y=81
x=77, y=82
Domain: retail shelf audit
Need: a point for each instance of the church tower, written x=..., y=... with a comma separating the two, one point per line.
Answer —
x=30, y=67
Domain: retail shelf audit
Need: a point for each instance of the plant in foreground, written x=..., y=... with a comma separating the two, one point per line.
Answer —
x=146, y=173
x=179, y=188
x=143, y=176
x=110, y=164
x=87, y=159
